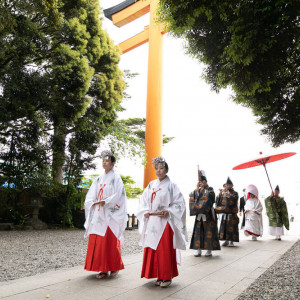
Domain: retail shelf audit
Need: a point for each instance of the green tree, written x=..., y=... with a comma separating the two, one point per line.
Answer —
x=131, y=191
x=25, y=154
x=128, y=137
x=24, y=159
x=68, y=79
x=60, y=91
x=25, y=31
x=86, y=83
x=252, y=46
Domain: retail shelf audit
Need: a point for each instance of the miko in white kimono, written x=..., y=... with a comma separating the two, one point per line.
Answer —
x=161, y=218
x=106, y=219
x=253, y=213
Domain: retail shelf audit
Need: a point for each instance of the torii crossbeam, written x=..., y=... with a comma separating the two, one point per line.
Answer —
x=122, y=14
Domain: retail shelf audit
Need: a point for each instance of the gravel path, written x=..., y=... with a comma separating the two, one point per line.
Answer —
x=26, y=253
x=280, y=281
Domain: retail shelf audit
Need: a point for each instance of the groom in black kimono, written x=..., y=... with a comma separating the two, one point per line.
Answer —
x=228, y=206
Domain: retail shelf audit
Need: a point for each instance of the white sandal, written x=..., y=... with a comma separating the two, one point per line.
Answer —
x=101, y=275
x=165, y=283
x=158, y=282
x=114, y=274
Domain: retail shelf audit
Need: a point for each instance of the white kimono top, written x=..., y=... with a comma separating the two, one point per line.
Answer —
x=158, y=196
x=253, y=222
x=109, y=188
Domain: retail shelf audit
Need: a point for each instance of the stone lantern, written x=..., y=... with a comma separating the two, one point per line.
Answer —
x=36, y=202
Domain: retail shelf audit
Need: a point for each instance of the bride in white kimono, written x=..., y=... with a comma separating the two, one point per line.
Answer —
x=162, y=228
x=253, y=213
x=106, y=219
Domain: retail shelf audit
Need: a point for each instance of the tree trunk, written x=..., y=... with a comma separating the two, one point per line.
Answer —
x=58, y=150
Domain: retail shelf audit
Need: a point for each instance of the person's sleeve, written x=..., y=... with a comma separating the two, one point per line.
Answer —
x=203, y=206
x=177, y=206
x=231, y=204
x=91, y=197
x=177, y=216
x=118, y=197
x=116, y=208
x=144, y=207
x=285, y=215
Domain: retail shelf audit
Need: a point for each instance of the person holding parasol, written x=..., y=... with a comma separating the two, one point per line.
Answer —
x=275, y=205
x=161, y=216
x=277, y=213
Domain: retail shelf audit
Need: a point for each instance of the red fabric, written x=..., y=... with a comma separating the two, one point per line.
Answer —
x=103, y=253
x=263, y=160
x=100, y=194
x=153, y=195
x=248, y=196
x=251, y=233
x=161, y=263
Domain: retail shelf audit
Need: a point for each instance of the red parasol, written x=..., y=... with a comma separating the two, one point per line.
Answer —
x=263, y=161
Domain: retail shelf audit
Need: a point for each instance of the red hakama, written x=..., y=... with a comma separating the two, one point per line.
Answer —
x=104, y=253
x=161, y=263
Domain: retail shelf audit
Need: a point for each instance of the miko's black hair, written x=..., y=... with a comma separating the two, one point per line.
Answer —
x=166, y=166
x=111, y=158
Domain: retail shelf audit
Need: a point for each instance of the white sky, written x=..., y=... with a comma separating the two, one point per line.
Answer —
x=209, y=129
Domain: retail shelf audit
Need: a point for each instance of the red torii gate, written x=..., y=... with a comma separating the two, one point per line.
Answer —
x=122, y=14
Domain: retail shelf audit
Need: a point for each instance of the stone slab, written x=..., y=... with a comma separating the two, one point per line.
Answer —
x=227, y=296
x=204, y=290
x=223, y=276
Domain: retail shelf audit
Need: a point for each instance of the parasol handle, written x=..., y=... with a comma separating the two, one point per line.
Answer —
x=268, y=177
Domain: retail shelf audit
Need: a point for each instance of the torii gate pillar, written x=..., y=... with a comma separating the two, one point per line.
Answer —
x=122, y=14
x=153, y=139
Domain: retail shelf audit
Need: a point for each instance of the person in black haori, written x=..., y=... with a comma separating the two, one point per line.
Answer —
x=205, y=233
x=242, y=208
x=228, y=206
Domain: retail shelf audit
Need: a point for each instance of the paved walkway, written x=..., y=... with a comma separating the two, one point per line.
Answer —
x=223, y=276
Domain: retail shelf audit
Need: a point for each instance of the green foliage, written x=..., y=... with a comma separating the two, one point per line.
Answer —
x=25, y=31
x=60, y=91
x=252, y=46
x=131, y=192
x=61, y=87
x=89, y=180
x=125, y=132
x=24, y=159
x=17, y=215
x=130, y=132
x=60, y=201
x=167, y=139
x=11, y=209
